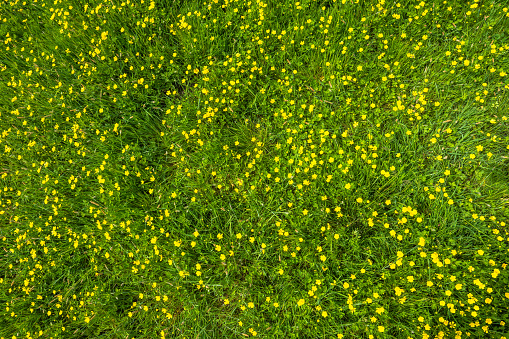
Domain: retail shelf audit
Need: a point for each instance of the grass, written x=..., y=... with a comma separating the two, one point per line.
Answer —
x=225, y=169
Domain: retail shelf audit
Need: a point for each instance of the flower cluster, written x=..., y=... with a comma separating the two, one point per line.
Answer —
x=272, y=169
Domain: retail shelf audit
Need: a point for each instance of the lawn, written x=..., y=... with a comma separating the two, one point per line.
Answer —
x=232, y=169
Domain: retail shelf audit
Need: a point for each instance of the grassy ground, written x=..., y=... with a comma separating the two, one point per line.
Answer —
x=229, y=169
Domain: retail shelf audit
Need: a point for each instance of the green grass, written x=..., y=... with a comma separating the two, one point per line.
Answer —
x=229, y=169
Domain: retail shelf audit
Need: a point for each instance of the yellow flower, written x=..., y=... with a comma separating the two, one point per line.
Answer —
x=381, y=328
x=300, y=302
x=398, y=290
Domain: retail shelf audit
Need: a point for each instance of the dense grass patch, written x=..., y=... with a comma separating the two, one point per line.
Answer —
x=228, y=169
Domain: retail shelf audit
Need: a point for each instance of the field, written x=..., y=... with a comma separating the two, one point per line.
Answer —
x=271, y=169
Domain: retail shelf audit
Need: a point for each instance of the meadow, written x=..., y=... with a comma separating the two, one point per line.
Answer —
x=271, y=169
